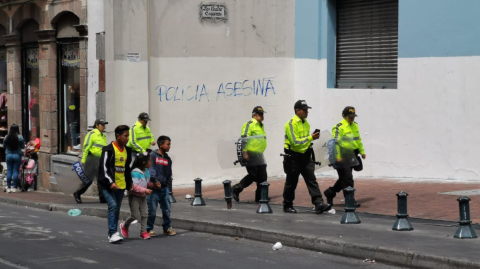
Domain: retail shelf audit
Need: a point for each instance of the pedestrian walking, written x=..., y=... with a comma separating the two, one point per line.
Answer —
x=253, y=154
x=161, y=177
x=92, y=150
x=141, y=137
x=13, y=144
x=298, y=160
x=115, y=177
x=137, y=198
x=346, y=127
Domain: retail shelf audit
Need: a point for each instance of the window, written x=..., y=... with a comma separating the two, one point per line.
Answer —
x=30, y=82
x=367, y=44
x=69, y=83
x=70, y=96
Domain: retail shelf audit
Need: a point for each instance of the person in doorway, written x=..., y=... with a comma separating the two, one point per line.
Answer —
x=137, y=200
x=92, y=150
x=141, y=137
x=114, y=175
x=346, y=127
x=161, y=177
x=253, y=153
x=72, y=118
x=13, y=144
x=298, y=160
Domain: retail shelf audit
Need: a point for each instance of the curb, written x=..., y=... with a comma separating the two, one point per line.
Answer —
x=356, y=251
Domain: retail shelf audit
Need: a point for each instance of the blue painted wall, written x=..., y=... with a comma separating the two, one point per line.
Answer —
x=438, y=28
x=427, y=28
x=307, y=29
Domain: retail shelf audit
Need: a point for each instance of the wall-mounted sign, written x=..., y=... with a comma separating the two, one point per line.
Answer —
x=133, y=57
x=213, y=11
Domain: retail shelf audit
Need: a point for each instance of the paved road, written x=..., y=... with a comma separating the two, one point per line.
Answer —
x=31, y=238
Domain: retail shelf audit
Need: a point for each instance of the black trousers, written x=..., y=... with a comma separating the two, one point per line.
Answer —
x=256, y=173
x=91, y=170
x=345, y=176
x=300, y=164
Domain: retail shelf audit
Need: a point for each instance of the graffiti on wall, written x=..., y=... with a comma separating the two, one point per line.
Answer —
x=225, y=91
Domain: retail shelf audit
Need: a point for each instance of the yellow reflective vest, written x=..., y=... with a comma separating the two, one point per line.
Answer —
x=140, y=138
x=94, y=142
x=254, y=128
x=297, y=135
x=345, y=129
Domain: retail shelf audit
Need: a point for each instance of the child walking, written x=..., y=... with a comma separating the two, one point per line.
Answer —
x=114, y=175
x=137, y=198
x=161, y=177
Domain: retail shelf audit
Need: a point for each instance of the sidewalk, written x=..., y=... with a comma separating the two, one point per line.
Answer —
x=430, y=245
x=377, y=196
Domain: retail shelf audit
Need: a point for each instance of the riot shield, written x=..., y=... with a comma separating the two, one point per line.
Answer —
x=345, y=151
x=245, y=151
x=322, y=149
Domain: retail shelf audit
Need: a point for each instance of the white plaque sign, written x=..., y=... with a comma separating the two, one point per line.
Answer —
x=133, y=56
x=213, y=11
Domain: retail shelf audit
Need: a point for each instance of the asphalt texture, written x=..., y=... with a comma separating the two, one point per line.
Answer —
x=32, y=238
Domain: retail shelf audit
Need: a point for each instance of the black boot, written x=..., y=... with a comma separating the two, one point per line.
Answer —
x=329, y=194
x=289, y=209
x=236, y=195
x=321, y=207
x=77, y=198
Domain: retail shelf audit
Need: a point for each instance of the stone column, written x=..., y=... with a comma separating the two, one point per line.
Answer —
x=14, y=78
x=47, y=58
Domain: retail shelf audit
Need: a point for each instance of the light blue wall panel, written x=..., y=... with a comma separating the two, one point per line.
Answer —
x=439, y=28
x=307, y=29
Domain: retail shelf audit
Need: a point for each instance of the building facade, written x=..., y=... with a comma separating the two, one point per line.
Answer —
x=409, y=67
x=44, y=46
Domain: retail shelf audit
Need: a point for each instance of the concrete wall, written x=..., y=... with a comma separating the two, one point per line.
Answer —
x=126, y=82
x=423, y=128
x=200, y=80
x=205, y=79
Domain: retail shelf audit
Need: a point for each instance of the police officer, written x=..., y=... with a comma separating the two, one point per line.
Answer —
x=347, y=127
x=140, y=136
x=253, y=153
x=298, y=160
x=92, y=150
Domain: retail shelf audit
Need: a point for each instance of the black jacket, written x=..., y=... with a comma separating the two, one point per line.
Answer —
x=161, y=169
x=106, y=168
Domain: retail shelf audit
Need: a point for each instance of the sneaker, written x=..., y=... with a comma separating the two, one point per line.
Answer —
x=13, y=189
x=9, y=190
x=152, y=233
x=115, y=238
x=169, y=232
x=124, y=230
x=144, y=235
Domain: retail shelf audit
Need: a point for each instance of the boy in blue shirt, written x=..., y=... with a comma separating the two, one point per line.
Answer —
x=161, y=177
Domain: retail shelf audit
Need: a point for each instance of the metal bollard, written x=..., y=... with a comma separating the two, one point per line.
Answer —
x=465, y=231
x=170, y=195
x=402, y=223
x=350, y=217
x=264, y=207
x=228, y=193
x=198, y=200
